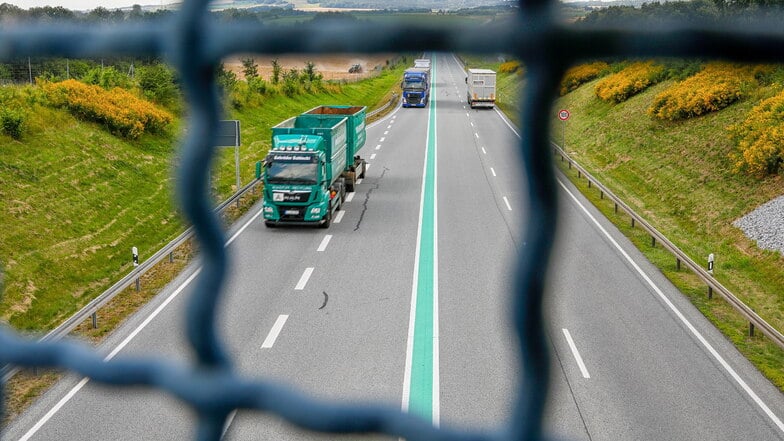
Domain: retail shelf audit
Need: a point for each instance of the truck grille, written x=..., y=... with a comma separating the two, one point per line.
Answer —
x=291, y=196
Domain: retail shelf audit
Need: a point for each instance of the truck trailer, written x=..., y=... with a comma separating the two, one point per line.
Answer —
x=312, y=163
x=416, y=87
x=481, y=88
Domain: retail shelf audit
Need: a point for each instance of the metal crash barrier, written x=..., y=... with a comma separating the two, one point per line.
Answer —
x=194, y=44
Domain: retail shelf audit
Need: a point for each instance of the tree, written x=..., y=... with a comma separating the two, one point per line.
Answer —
x=276, y=69
x=136, y=13
x=250, y=69
x=310, y=72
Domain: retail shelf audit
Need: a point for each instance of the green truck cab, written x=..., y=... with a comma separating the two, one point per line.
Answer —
x=312, y=164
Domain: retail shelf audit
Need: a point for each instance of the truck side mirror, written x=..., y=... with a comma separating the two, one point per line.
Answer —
x=259, y=167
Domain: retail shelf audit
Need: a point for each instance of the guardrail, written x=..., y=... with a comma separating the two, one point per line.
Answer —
x=392, y=101
x=755, y=321
x=91, y=309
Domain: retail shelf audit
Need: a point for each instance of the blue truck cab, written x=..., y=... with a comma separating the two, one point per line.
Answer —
x=416, y=87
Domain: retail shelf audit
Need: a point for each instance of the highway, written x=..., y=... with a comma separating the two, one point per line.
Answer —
x=405, y=300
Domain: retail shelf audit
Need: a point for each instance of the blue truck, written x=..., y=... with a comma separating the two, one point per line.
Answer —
x=313, y=162
x=416, y=87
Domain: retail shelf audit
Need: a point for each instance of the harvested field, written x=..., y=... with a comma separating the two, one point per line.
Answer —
x=332, y=67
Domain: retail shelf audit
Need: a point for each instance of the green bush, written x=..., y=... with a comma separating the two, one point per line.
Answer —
x=12, y=122
x=158, y=84
x=107, y=77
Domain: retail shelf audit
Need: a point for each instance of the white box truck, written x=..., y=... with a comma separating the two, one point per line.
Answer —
x=481, y=88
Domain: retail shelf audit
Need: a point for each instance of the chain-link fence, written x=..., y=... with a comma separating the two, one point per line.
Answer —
x=194, y=45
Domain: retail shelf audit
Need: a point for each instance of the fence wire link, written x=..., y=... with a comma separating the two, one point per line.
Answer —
x=195, y=44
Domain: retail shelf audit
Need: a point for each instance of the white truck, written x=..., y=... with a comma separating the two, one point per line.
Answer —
x=481, y=88
x=422, y=63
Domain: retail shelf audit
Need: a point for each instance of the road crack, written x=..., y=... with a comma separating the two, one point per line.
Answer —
x=367, y=198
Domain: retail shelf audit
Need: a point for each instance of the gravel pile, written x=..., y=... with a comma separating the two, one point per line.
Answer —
x=765, y=225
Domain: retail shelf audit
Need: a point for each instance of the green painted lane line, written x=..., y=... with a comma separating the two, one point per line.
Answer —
x=421, y=385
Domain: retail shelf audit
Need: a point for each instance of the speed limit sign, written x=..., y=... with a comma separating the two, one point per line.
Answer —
x=563, y=114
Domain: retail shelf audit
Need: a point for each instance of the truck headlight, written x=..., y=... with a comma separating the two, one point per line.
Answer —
x=268, y=210
x=315, y=210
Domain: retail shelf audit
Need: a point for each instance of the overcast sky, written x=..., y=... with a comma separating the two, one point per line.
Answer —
x=82, y=5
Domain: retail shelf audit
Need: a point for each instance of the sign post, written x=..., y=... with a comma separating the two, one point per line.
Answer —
x=563, y=115
x=229, y=136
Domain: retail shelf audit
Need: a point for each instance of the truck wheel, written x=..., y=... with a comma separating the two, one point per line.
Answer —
x=269, y=224
x=327, y=219
x=364, y=168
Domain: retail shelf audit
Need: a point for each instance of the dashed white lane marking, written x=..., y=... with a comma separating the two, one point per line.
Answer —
x=506, y=201
x=472, y=123
x=339, y=217
x=477, y=135
x=324, y=242
x=484, y=151
x=382, y=139
x=576, y=354
x=492, y=170
x=378, y=147
x=274, y=332
x=304, y=279
x=386, y=133
x=350, y=197
x=373, y=156
x=367, y=166
x=392, y=122
x=359, y=181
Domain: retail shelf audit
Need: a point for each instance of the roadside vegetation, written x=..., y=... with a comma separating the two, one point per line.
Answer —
x=691, y=145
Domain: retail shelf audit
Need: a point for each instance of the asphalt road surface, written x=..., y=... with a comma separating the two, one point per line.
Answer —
x=405, y=300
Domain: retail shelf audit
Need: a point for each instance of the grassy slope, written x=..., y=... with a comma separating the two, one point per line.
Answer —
x=679, y=177
x=75, y=199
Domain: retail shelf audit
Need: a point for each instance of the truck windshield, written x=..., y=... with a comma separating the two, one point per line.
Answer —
x=414, y=85
x=292, y=172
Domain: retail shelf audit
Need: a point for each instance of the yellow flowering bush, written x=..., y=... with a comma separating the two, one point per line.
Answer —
x=630, y=81
x=760, y=138
x=715, y=87
x=122, y=112
x=509, y=67
x=578, y=75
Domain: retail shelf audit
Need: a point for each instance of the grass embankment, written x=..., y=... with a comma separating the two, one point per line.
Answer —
x=679, y=176
x=76, y=199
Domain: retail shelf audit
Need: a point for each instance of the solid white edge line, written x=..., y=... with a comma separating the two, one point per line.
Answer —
x=229, y=421
x=339, y=217
x=506, y=201
x=127, y=340
x=350, y=195
x=775, y=419
x=54, y=410
x=324, y=243
x=576, y=353
x=274, y=332
x=303, y=280
x=680, y=315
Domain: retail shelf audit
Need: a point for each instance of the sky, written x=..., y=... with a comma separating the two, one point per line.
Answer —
x=83, y=5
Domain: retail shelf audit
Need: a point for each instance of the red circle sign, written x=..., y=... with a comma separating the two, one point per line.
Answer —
x=563, y=114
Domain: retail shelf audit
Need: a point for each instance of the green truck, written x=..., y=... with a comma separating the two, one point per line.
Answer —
x=312, y=164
